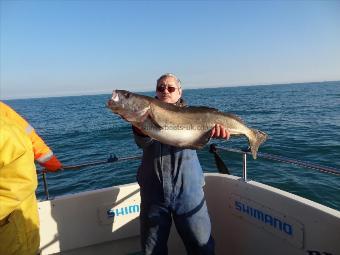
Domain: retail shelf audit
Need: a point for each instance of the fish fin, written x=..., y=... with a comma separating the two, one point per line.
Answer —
x=144, y=117
x=155, y=122
x=144, y=114
x=203, y=140
x=256, y=140
x=128, y=118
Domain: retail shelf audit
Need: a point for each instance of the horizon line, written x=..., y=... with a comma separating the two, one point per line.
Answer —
x=93, y=93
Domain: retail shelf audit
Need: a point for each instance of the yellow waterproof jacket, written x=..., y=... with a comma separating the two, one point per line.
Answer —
x=42, y=153
x=19, y=222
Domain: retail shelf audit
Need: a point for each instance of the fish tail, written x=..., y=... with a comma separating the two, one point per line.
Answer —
x=258, y=137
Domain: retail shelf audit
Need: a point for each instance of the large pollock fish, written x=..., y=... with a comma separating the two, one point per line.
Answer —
x=187, y=127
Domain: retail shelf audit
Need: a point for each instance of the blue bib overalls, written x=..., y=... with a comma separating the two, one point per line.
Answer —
x=171, y=186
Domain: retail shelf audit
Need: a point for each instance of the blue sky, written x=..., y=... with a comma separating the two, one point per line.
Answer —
x=55, y=48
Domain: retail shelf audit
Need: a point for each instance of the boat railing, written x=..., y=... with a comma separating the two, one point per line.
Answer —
x=222, y=168
x=111, y=159
x=214, y=148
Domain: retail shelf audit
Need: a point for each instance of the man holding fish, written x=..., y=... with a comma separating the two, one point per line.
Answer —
x=171, y=180
x=170, y=176
x=180, y=183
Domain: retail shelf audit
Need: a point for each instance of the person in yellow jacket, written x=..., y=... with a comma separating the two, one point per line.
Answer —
x=42, y=153
x=19, y=222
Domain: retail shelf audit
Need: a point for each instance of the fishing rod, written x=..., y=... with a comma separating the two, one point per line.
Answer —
x=111, y=159
x=320, y=168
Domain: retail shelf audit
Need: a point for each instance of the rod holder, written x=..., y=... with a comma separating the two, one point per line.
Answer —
x=45, y=186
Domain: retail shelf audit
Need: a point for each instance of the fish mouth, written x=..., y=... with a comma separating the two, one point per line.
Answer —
x=115, y=96
x=112, y=103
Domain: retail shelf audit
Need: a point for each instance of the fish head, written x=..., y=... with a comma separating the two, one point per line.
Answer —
x=128, y=105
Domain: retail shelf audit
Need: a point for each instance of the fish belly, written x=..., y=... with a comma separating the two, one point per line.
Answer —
x=178, y=138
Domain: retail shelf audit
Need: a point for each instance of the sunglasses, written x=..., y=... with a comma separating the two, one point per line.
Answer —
x=163, y=88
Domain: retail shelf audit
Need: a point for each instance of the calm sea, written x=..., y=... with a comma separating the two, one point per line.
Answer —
x=302, y=120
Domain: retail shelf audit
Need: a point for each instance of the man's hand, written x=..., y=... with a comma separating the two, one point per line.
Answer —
x=219, y=131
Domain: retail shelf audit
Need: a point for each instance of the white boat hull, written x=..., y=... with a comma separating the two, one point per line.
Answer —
x=247, y=218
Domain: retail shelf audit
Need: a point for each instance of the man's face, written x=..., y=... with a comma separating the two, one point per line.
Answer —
x=168, y=90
